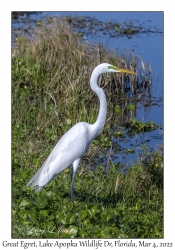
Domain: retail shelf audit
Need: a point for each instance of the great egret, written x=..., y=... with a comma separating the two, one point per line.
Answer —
x=75, y=142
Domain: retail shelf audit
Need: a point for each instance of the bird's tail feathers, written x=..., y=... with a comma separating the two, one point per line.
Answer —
x=34, y=182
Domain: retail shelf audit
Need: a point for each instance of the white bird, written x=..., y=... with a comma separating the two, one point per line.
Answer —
x=76, y=141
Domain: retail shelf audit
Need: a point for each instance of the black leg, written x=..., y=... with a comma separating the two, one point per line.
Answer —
x=74, y=169
x=72, y=186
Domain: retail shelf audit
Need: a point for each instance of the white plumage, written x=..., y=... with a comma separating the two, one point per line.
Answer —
x=75, y=142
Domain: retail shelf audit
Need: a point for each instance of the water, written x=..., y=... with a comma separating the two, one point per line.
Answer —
x=149, y=46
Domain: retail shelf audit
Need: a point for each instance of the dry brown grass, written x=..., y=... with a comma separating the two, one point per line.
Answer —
x=51, y=68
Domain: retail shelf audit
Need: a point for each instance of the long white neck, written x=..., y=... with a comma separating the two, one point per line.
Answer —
x=99, y=124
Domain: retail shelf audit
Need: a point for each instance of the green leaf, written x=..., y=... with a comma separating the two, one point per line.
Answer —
x=54, y=137
x=16, y=191
x=24, y=203
x=106, y=215
x=70, y=205
x=44, y=213
x=49, y=234
x=69, y=219
x=73, y=230
x=137, y=206
x=24, y=175
x=68, y=121
x=49, y=194
x=117, y=110
x=130, y=107
x=50, y=224
x=105, y=232
x=83, y=234
x=82, y=214
x=92, y=211
x=41, y=202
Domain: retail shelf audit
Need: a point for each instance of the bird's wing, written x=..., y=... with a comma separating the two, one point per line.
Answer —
x=70, y=147
x=73, y=142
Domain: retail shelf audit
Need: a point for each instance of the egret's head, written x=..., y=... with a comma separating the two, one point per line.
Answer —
x=106, y=67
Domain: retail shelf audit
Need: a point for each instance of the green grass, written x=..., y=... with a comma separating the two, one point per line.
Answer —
x=50, y=93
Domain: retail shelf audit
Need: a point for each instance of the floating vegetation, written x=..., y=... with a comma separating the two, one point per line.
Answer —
x=135, y=85
x=87, y=25
x=137, y=126
x=119, y=134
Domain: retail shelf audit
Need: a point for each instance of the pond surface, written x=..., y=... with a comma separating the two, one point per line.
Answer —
x=147, y=45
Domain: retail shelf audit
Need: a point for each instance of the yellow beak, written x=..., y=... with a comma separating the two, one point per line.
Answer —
x=125, y=71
